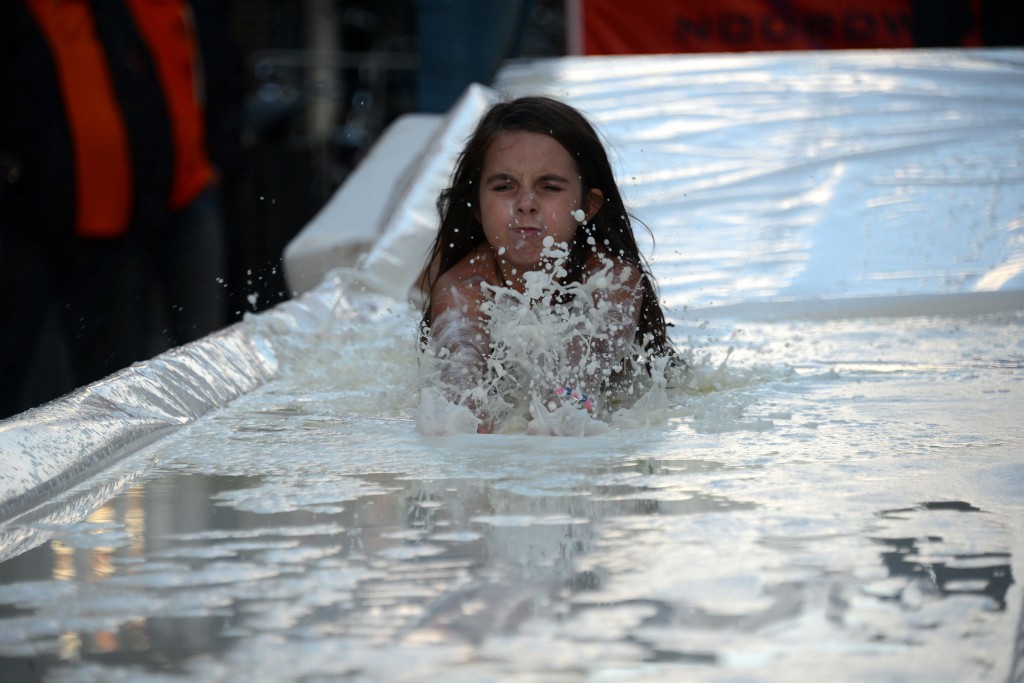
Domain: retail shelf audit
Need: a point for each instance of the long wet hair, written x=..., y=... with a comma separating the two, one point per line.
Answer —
x=611, y=227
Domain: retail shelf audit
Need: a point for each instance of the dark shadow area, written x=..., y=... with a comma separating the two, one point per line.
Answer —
x=982, y=574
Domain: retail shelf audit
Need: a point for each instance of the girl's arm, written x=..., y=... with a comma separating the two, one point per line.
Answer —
x=460, y=342
x=595, y=354
x=616, y=294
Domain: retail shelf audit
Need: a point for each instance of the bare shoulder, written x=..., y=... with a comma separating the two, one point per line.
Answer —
x=460, y=286
x=607, y=270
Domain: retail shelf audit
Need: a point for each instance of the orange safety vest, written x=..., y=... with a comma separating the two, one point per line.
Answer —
x=99, y=139
x=168, y=28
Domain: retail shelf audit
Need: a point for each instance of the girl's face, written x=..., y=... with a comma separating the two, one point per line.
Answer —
x=530, y=187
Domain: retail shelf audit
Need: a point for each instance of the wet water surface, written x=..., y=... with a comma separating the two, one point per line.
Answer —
x=841, y=494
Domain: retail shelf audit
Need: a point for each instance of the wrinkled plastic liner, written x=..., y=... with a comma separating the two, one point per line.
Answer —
x=47, y=449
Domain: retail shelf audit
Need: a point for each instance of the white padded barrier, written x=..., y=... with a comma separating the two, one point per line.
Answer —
x=352, y=220
x=401, y=224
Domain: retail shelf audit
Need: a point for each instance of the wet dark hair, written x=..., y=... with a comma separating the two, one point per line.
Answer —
x=461, y=232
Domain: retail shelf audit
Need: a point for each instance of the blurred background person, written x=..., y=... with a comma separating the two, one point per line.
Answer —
x=464, y=42
x=111, y=239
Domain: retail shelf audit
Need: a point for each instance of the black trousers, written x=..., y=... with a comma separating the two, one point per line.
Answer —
x=74, y=314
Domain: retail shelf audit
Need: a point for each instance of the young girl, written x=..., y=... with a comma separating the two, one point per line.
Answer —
x=537, y=292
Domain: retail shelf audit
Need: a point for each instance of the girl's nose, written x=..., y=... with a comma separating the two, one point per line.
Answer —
x=527, y=203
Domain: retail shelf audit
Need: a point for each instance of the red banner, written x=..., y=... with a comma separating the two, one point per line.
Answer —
x=670, y=26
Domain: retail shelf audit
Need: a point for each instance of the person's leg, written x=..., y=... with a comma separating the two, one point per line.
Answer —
x=191, y=262
x=106, y=309
x=26, y=291
x=461, y=43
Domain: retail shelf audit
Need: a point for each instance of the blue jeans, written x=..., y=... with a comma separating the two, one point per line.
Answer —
x=463, y=42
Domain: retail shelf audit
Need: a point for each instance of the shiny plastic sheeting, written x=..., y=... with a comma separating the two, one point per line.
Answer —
x=842, y=183
x=47, y=449
x=876, y=177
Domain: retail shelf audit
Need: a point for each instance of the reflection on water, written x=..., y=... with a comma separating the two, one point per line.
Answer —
x=931, y=567
x=169, y=572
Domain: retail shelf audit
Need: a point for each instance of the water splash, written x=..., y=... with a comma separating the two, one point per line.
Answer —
x=579, y=335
